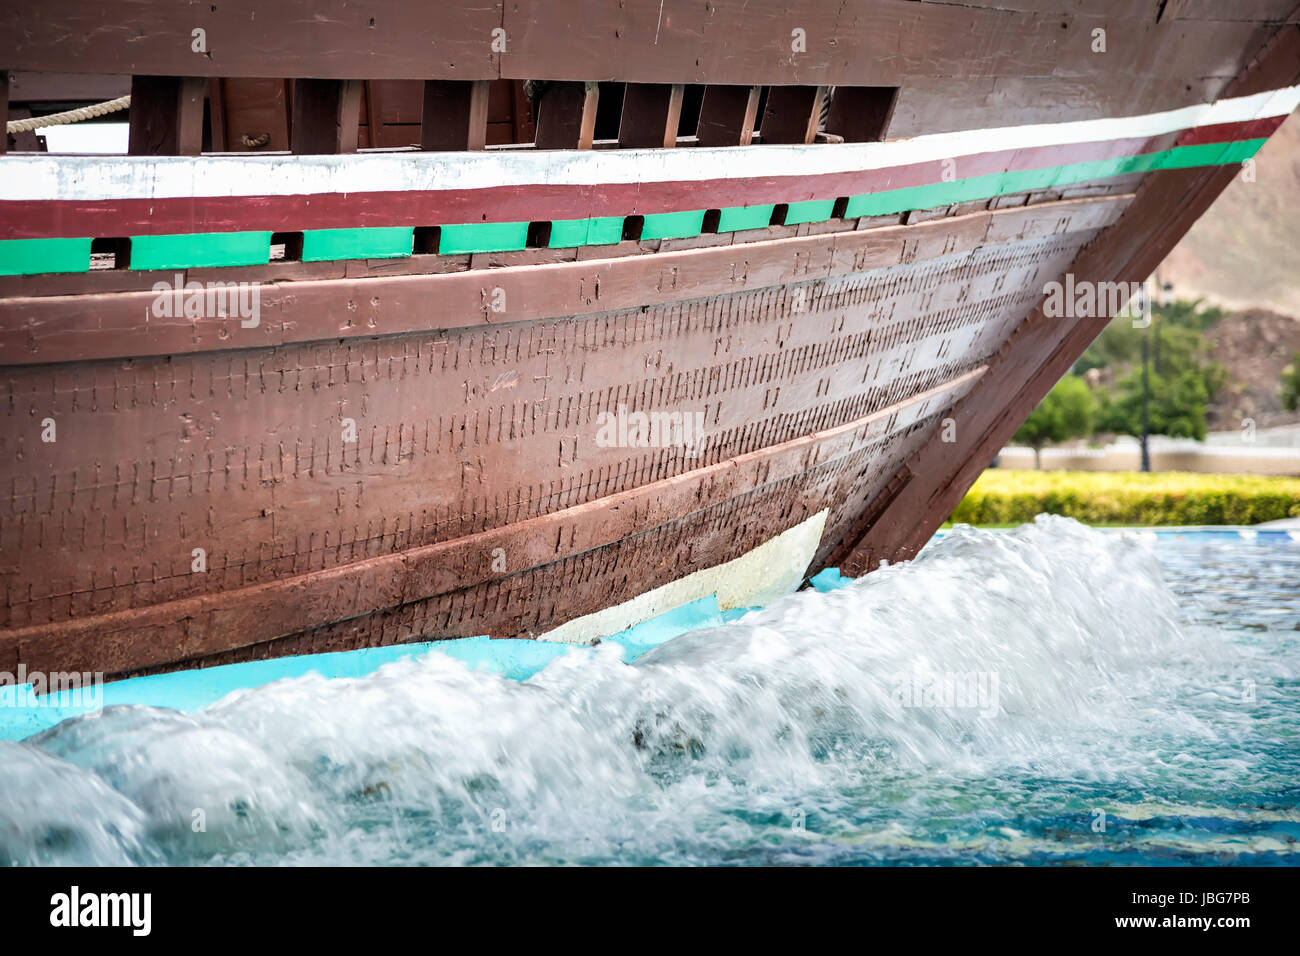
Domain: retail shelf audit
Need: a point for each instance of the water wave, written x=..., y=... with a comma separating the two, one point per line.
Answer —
x=996, y=699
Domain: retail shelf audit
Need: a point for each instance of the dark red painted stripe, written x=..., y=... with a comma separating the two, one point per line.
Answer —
x=1229, y=132
x=32, y=219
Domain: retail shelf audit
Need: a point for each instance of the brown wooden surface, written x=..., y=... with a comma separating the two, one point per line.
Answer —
x=326, y=116
x=960, y=65
x=651, y=114
x=1041, y=350
x=824, y=364
x=728, y=115
x=861, y=114
x=1033, y=60
x=166, y=116
x=43, y=329
x=566, y=115
x=4, y=111
x=791, y=114
x=455, y=115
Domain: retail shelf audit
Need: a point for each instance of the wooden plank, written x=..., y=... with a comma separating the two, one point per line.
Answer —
x=217, y=116
x=1042, y=349
x=873, y=43
x=792, y=114
x=254, y=114
x=45, y=329
x=166, y=116
x=4, y=111
x=728, y=115
x=651, y=113
x=566, y=115
x=379, y=39
x=326, y=116
x=455, y=115
x=40, y=87
x=861, y=114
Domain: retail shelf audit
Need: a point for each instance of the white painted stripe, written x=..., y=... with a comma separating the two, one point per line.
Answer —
x=145, y=177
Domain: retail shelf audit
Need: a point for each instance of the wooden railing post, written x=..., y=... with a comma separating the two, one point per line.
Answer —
x=4, y=111
x=651, y=112
x=166, y=116
x=792, y=114
x=566, y=115
x=455, y=115
x=861, y=114
x=326, y=116
x=728, y=115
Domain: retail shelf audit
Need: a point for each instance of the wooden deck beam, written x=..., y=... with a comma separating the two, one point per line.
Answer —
x=861, y=114
x=792, y=114
x=166, y=116
x=4, y=111
x=651, y=114
x=566, y=116
x=455, y=115
x=728, y=115
x=326, y=116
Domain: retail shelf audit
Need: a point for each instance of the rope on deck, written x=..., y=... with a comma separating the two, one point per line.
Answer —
x=68, y=116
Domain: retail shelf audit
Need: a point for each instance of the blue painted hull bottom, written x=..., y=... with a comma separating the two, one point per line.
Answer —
x=23, y=713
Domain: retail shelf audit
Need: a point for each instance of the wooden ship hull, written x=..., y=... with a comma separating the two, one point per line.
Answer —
x=405, y=322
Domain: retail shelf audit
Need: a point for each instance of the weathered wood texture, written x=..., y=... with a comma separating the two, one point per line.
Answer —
x=651, y=114
x=483, y=434
x=326, y=116
x=166, y=116
x=1036, y=57
x=1041, y=350
x=4, y=111
x=566, y=115
x=791, y=114
x=728, y=115
x=455, y=115
x=351, y=464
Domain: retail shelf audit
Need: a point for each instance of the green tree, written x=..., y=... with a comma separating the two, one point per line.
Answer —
x=1176, y=405
x=1291, y=384
x=1067, y=412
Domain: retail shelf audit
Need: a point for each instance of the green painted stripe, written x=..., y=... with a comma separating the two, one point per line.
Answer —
x=36, y=256
x=201, y=249
x=934, y=195
x=601, y=231
x=673, y=225
x=484, y=237
x=818, y=210
x=23, y=257
x=736, y=218
x=322, y=245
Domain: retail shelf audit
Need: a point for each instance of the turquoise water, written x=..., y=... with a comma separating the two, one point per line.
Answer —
x=1051, y=694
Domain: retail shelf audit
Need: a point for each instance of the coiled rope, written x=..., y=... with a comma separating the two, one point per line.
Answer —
x=69, y=116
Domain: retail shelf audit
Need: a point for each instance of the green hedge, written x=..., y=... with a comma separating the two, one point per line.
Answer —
x=1003, y=496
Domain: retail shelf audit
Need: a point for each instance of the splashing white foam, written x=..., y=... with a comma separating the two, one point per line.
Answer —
x=836, y=706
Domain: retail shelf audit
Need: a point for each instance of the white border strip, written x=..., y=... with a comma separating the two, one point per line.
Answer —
x=91, y=178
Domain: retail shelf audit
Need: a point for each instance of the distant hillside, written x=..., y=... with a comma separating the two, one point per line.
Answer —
x=1245, y=252
x=1253, y=346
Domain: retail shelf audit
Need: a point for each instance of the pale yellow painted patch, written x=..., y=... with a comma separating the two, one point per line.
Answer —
x=759, y=577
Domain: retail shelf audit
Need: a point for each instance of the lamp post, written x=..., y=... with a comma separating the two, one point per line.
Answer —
x=1146, y=386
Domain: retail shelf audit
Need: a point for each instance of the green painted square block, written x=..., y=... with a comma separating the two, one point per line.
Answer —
x=322, y=245
x=601, y=231
x=673, y=225
x=483, y=237
x=201, y=249
x=736, y=218
x=816, y=210
x=24, y=257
